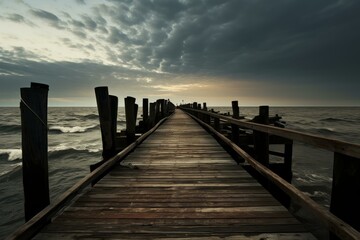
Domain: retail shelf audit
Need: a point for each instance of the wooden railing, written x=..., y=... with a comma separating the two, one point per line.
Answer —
x=343, y=218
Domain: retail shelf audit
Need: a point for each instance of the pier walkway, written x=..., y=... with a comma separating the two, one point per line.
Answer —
x=178, y=184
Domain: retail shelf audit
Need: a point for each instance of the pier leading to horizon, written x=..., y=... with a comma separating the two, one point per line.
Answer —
x=179, y=183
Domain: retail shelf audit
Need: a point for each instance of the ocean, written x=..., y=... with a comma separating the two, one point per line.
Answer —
x=75, y=143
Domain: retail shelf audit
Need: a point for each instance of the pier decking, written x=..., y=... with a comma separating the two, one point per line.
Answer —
x=178, y=184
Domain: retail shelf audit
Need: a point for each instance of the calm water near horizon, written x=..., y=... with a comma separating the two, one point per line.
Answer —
x=75, y=143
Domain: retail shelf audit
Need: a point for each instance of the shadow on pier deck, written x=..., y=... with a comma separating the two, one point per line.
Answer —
x=178, y=184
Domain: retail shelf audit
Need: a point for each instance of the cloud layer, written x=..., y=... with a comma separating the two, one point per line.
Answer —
x=303, y=45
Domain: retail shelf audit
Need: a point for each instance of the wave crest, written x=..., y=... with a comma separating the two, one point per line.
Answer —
x=11, y=154
x=76, y=129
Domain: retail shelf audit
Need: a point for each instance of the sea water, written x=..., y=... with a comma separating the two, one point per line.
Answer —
x=75, y=143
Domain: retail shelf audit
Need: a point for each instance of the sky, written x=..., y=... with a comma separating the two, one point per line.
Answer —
x=259, y=52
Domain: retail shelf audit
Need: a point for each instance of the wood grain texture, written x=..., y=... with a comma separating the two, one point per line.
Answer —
x=178, y=184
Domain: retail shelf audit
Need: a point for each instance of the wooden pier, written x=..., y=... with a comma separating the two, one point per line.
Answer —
x=178, y=184
x=177, y=176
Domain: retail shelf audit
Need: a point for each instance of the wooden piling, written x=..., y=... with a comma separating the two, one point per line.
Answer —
x=107, y=109
x=206, y=117
x=345, y=194
x=288, y=152
x=234, y=128
x=162, y=109
x=152, y=114
x=204, y=106
x=136, y=112
x=145, y=110
x=33, y=107
x=261, y=140
x=130, y=119
x=217, y=124
x=157, y=111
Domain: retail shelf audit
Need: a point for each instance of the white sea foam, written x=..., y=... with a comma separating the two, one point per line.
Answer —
x=13, y=154
x=64, y=146
x=76, y=129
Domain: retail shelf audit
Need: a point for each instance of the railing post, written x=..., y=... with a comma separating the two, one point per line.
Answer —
x=130, y=119
x=261, y=140
x=234, y=128
x=33, y=107
x=345, y=194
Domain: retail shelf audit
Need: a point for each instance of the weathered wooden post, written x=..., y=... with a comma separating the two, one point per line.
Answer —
x=162, y=112
x=345, y=194
x=157, y=111
x=195, y=105
x=217, y=124
x=152, y=115
x=166, y=108
x=145, y=114
x=288, y=152
x=33, y=107
x=113, y=118
x=107, y=109
x=136, y=112
x=130, y=119
x=235, y=128
x=204, y=106
x=261, y=140
x=206, y=117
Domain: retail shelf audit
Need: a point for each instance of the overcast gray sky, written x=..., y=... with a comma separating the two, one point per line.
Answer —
x=279, y=52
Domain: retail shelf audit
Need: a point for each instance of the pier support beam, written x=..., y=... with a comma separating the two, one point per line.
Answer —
x=33, y=107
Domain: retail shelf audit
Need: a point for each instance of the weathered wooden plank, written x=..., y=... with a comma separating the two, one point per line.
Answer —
x=174, y=236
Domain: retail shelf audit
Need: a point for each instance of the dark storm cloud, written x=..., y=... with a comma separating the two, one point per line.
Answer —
x=249, y=39
x=49, y=17
x=82, y=2
x=16, y=18
x=66, y=79
x=278, y=45
x=89, y=23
